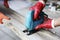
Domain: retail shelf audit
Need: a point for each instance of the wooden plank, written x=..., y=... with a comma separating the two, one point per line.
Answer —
x=39, y=35
x=18, y=22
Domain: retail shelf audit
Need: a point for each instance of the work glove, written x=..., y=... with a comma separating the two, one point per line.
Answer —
x=2, y=16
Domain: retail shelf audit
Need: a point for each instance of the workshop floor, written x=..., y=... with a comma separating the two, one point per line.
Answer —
x=7, y=34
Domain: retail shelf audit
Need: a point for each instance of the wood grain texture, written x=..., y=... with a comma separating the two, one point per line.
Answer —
x=19, y=18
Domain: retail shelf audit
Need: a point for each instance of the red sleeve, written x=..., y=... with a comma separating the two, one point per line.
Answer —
x=38, y=8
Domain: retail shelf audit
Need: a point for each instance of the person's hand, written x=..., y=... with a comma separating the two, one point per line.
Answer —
x=37, y=9
x=2, y=16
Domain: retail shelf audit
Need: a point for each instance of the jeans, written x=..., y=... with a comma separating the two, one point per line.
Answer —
x=30, y=23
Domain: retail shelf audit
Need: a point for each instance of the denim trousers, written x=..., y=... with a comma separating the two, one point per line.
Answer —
x=30, y=23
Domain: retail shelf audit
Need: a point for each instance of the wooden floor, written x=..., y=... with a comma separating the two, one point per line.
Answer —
x=18, y=19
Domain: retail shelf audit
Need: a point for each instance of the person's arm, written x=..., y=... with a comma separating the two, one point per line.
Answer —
x=38, y=8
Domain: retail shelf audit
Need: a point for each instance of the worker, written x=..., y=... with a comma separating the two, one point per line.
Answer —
x=35, y=15
x=47, y=22
x=2, y=16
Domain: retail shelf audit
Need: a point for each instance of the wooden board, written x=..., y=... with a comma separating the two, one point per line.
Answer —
x=18, y=21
